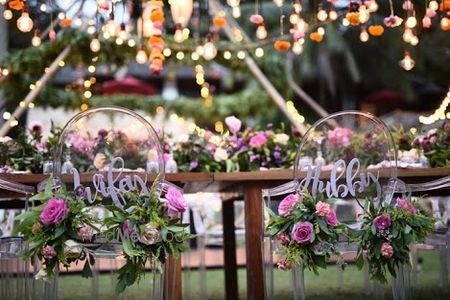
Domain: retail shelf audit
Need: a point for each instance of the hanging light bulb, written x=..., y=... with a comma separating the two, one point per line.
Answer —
x=322, y=15
x=7, y=14
x=297, y=48
x=407, y=62
x=181, y=11
x=373, y=6
x=43, y=7
x=36, y=40
x=24, y=23
x=364, y=35
x=95, y=44
x=209, y=50
x=227, y=55
x=110, y=28
x=333, y=15
x=259, y=52
x=364, y=14
x=278, y=3
x=200, y=50
x=411, y=22
x=178, y=37
x=414, y=40
x=261, y=32
x=297, y=7
x=141, y=56
x=433, y=5
x=236, y=12
x=294, y=18
x=407, y=35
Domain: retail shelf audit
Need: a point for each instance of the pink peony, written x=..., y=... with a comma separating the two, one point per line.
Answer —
x=322, y=209
x=86, y=233
x=382, y=222
x=288, y=204
x=283, y=238
x=387, y=250
x=48, y=252
x=331, y=218
x=258, y=140
x=256, y=19
x=403, y=203
x=54, y=211
x=339, y=137
x=176, y=202
x=303, y=232
x=233, y=123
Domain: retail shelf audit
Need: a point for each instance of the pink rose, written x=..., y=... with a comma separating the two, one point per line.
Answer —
x=339, y=137
x=176, y=202
x=382, y=222
x=283, y=238
x=303, y=232
x=288, y=204
x=258, y=140
x=322, y=209
x=54, y=211
x=283, y=265
x=403, y=203
x=86, y=233
x=48, y=252
x=387, y=250
x=256, y=19
x=331, y=218
x=233, y=123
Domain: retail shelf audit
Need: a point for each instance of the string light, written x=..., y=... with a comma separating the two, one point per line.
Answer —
x=7, y=14
x=180, y=55
x=95, y=44
x=6, y=115
x=294, y=112
x=24, y=23
x=141, y=56
x=36, y=40
x=131, y=43
x=241, y=54
x=259, y=52
x=439, y=114
x=407, y=62
x=227, y=55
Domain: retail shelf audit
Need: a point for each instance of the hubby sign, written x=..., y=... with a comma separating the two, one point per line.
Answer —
x=112, y=186
x=352, y=180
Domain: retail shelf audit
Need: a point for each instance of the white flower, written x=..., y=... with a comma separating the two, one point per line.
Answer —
x=281, y=138
x=5, y=139
x=151, y=235
x=99, y=161
x=42, y=275
x=72, y=249
x=220, y=154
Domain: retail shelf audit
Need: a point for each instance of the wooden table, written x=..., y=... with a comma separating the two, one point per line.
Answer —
x=250, y=184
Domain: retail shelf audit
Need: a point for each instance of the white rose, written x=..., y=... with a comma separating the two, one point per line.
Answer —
x=72, y=249
x=99, y=161
x=42, y=275
x=220, y=154
x=281, y=138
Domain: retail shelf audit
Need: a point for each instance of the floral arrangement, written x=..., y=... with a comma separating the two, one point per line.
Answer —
x=307, y=229
x=436, y=145
x=63, y=230
x=386, y=233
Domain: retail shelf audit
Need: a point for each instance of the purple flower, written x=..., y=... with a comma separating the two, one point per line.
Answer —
x=194, y=164
x=233, y=123
x=331, y=218
x=258, y=140
x=80, y=192
x=102, y=133
x=254, y=157
x=403, y=203
x=86, y=233
x=288, y=204
x=382, y=222
x=176, y=202
x=54, y=211
x=48, y=252
x=303, y=232
x=128, y=228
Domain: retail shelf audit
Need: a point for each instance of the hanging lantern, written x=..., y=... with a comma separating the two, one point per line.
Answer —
x=407, y=62
x=181, y=11
x=141, y=56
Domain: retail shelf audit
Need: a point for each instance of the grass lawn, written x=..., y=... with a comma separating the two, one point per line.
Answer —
x=323, y=287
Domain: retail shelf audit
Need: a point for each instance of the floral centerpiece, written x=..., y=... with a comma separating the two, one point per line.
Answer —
x=63, y=230
x=436, y=145
x=307, y=229
x=386, y=233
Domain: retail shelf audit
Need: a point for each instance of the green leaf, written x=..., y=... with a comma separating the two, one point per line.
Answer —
x=128, y=248
x=86, y=272
x=407, y=229
x=59, y=231
x=359, y=262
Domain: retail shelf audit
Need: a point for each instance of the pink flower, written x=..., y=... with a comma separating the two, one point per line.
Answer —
x=392, y=21
x=48, y=252
x=283, y=238
x=86, y=233
x=403, y=203
x=408, y=5
x=331, y=218
x=176, y=202
x=288, y=204
x=382, y=222
x=256, y=19
x=387, y=250
x=54, y=211
x=283, y=265
x=303, y=232
x=36, y=126
x=233, y=123
x=430, y=13
x=426, y=22
x=128, y=228
x=340, y=137
x=258, y=140
x=322, y=209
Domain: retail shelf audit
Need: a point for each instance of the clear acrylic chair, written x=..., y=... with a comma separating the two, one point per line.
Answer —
x=92, y=141
x=16, y=276
x=352, y=141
